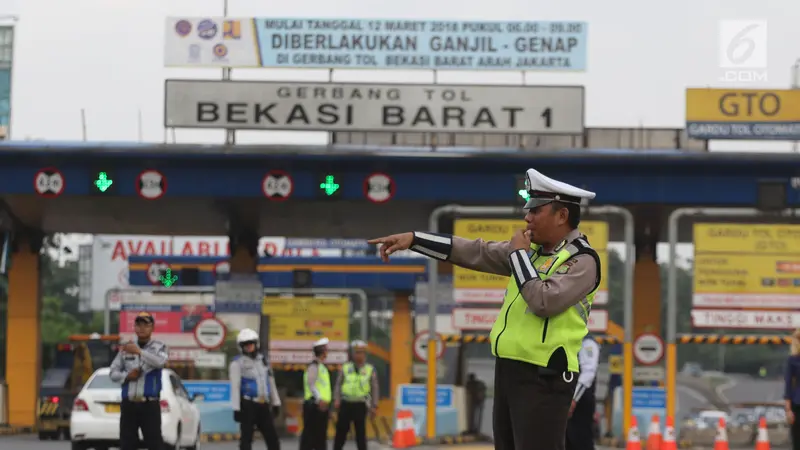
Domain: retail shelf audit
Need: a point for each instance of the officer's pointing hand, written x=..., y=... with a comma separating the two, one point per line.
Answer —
x=521, y=240
x=393, y=243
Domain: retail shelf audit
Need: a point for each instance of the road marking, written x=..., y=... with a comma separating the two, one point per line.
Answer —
x=724, y=387
x=692, y=393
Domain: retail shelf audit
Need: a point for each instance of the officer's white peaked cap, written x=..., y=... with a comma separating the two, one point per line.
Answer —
x=358, y=345
x=543, y=190
x=322, y=342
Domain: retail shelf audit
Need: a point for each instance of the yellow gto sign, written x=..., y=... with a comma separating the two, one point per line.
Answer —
x=476, y=287
x=742, y=113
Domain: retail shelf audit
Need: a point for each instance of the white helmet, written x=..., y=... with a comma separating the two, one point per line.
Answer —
x=358, y=345
x=247, y=335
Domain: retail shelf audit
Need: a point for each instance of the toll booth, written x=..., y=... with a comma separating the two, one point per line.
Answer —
x=389, y=287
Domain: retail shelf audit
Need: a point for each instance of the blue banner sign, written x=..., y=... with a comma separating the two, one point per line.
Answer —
x=332, y=43
x=413, y=398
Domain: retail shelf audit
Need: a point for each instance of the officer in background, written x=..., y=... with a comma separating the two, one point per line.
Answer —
x=317, y=400
x=254, y=394
x=540, y=328
x=476, y=397
x=580, y=429
x=138, y=367
x=355, y=395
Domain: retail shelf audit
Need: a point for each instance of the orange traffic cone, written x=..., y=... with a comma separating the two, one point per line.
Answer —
x=762, y=440
x=654, y=434
x=721, y=441
x=292, y=425
x=404, y=435
x=669, y=436
x=634, y=443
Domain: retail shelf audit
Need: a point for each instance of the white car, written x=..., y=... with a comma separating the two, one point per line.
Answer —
x=94, y=422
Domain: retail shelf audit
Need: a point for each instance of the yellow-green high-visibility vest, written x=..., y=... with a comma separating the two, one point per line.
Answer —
x=523, y=336
x=323, y=383
x=356, y=384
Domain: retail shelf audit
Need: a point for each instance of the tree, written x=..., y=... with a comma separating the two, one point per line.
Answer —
x=56, y=324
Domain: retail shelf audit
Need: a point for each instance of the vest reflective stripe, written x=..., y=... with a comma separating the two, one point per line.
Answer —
x=356, y=384
x=323, y=384
x=521, y=335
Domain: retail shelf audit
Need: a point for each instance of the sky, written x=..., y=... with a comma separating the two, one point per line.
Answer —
x=105, y=58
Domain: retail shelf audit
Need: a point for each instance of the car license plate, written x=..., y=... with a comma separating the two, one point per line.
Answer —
x=112, y=409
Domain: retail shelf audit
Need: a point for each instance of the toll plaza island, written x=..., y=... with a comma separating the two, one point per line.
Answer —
x=247, y=192
x=436, y=157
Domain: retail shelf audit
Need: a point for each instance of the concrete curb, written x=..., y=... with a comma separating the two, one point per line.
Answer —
x=454, y=440
x=13, y=431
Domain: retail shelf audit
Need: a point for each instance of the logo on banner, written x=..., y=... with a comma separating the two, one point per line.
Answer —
x=277, y=185
x=183, y=27
x=49, y=182
x=379, y=188
x=152, y=185
x=207, y=29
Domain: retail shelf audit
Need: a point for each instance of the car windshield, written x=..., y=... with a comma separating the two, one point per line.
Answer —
x=102, y=381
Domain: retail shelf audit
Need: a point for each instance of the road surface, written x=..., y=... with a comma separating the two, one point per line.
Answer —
x=744, y=388
x=30, y=442
x=688, y=399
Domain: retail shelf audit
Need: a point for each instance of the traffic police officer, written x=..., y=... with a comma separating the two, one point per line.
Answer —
x=254, y=394
x=541, y=325
x=138, y=367
x=317, y=400
x=355, y=395
x=580, y=428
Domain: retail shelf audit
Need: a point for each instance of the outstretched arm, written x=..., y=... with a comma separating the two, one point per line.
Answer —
x=480, y=255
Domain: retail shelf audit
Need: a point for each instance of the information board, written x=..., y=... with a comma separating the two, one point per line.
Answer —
x=296, y=323
x=747, y=114
x=273, y=105
x=745, y=266
x=399, y=44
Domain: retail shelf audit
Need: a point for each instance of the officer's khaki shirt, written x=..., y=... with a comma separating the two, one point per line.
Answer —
x=545, y=298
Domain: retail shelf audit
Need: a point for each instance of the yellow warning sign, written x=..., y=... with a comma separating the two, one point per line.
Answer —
x=615, y=365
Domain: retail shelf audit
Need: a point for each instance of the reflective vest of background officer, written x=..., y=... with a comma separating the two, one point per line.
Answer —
x=254, y=395
x=538, y=332
x=355, y=395
x=317, y=400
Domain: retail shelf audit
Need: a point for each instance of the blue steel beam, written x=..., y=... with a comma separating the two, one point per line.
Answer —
x=489, y=177
x=350, y=272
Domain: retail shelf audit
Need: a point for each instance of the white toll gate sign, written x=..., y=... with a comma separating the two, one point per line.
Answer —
x=359, y=107
x=277, y=185
x=49, y=182
x=648, y=349
x=155, y=270
x=421, y=346
x=151, y=185
x=210, y=333
x=379, y=188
